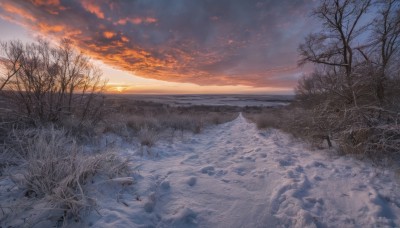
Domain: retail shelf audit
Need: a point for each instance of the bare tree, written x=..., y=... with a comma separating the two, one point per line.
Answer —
x=334, y=45
x=386, y=40
x=12, y=52
x=49, y=83
x=357, y=60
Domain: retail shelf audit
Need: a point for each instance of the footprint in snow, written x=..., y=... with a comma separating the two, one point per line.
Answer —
x=247, y=158
x=317, y=178
x=240, y=171
x=165, y=185
x=318, y=164
x=192, y=181
x=190, y=158
x=208, y=170
x=292, y=175
x=150, y=203
x=194, y=156
x=184, y=217
x=263, y=155
x=285, y=162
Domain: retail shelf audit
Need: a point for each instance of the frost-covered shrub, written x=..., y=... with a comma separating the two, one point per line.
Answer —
x=147, y=137
x=53, y=167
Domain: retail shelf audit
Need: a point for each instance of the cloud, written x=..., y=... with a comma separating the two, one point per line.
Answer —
x=136, y=20
x=46, y=2
x=109, y=34
x=91, y=7
x=13, y=11
x=206, y=42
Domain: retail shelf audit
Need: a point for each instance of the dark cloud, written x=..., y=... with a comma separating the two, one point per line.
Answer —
x=207, y=42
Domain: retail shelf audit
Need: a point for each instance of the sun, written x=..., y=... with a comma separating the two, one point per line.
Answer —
x=116, y=88
x=119, y=89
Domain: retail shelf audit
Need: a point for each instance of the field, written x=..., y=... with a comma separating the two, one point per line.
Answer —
x=152, y=162
x=215, y=100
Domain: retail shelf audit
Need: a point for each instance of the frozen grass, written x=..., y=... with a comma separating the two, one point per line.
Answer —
x=48, y=163
x=364, y=132
x=294, y=121
x=53, y=167
x=137, y=122
x=267, y=120
x=148, y=121
x=147, y=137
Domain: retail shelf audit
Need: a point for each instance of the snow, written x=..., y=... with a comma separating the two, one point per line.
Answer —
x=234, y=175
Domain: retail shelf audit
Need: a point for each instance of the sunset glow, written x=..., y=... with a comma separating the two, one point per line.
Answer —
x=175, y=46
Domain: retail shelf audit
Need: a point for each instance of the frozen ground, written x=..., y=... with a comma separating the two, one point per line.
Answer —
x=234, y=175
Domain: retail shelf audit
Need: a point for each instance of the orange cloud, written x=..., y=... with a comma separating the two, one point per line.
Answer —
x=46, y=2
x=137, y=20
x=197, y=46
x=17, y=11
x=50, y=28
x=124, y=39
x=109, y=34
x=51, y=6
x=150, y=20
x=91, y=7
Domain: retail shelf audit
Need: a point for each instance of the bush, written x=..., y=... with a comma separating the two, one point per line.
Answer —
x=267, y=120
x=296, y=121
x=55, y=168
x=50, y=83
x=353, y=95
x=137, y=122
x=370, y=131
x=147, y=137
x=116, y=124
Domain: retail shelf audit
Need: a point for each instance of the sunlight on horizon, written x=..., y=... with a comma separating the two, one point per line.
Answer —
x=128, y=83
x=124, y=82
x=228, y=65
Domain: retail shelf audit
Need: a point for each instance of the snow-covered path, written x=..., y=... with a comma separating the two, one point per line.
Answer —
x=234, y=175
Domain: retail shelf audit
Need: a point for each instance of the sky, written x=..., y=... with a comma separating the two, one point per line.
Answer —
x=175, y=46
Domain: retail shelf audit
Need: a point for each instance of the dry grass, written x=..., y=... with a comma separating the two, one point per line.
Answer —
x=116, y=124
x=292, y=120
x=54, y=167
x=372, y=132
x=49, y=164
x=267, y=120
x=149, y=121
x=147, y=137
x=295, y=121
x=368, y=132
